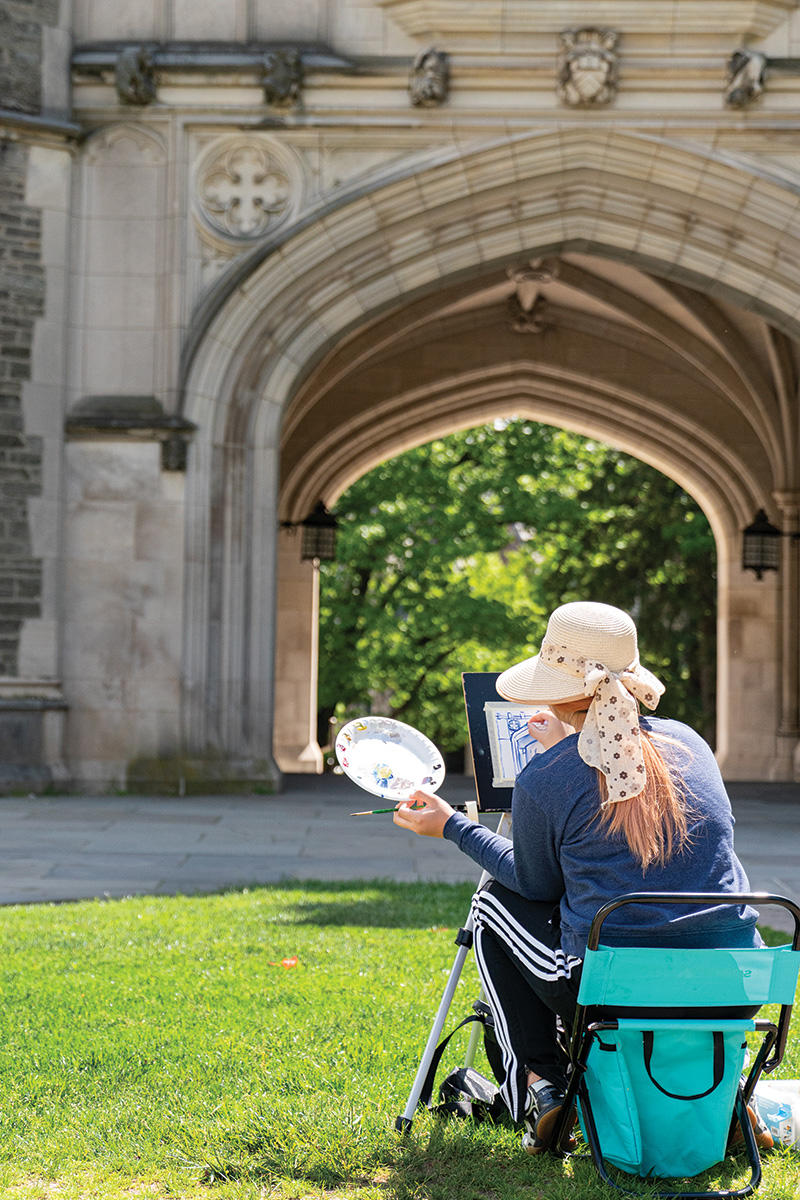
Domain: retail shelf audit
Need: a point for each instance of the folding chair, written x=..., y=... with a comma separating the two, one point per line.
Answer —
x=658, y=1048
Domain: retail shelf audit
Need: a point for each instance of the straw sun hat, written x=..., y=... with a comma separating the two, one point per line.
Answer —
x=597, y=632
x=591, y=650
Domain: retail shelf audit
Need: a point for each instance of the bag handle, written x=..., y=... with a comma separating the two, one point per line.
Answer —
x=719, y=1066
x=426, y=1094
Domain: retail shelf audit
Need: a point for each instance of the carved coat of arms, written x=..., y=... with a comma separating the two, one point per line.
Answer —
x=589, y=72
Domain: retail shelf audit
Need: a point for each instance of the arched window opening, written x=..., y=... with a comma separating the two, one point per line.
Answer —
x=452, y=554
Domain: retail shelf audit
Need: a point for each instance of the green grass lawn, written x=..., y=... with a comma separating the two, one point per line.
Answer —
x=157, y=1047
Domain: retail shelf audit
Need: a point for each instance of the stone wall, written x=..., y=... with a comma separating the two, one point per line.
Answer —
x=158, y=600
x=21, y=52
x=22, y=288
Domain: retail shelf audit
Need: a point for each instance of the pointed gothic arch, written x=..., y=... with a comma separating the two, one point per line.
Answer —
x=709, y=229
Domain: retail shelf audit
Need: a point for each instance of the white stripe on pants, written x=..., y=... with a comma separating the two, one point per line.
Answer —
x=528, y=979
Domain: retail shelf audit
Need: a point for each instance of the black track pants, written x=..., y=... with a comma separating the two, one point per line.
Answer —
x=528, y=981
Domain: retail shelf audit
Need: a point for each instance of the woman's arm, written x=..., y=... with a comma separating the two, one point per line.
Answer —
x=437, y=819
x=491, y=851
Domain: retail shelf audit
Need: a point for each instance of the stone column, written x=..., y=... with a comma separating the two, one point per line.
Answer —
x=123, y=604
x=296, y=660
x=789, y=725
x=748, y=684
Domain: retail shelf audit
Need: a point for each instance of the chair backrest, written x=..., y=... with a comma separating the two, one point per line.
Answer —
x=647, y=977
x=696, y=900
x=678, y=977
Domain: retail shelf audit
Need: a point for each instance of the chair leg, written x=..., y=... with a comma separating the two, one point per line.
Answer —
x=751, y=1146
x=564, y=1124
x=755, y=1072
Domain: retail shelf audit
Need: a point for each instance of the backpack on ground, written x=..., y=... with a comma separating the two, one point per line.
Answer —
x=465, y=1093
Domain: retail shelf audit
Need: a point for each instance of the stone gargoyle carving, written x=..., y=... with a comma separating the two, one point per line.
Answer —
x=526, y=305
x=283, y=77
x=747, y=70
x=429, y=82
x=135, y=75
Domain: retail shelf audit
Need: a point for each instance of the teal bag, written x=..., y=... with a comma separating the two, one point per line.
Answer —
x=662, y=1093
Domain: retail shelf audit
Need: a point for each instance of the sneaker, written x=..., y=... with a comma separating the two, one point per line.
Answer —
x=541, y=1117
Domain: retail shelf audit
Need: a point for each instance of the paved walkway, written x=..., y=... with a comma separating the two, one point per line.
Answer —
x=72, y=847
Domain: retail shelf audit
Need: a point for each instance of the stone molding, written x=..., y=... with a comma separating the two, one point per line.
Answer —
x=18, y=126
x=45, y=693
x=292, y=78
x=246, y=187
x=31, y=703
x=95, y=60
x=132, y=418
x=456, y=20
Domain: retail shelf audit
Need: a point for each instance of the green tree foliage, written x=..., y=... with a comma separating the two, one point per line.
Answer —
x=452, y=555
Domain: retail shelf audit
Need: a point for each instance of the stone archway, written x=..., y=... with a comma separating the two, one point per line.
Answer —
x=718, y=240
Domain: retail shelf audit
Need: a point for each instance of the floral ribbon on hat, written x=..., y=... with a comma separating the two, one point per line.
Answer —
x=610, y=739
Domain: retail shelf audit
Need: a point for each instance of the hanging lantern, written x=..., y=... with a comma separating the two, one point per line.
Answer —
x=319, y=535
x=761, y=545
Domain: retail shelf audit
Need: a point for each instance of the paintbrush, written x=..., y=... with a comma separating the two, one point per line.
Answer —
x=373, y=812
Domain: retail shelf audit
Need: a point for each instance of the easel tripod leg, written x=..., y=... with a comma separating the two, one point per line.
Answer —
x=403, y=1123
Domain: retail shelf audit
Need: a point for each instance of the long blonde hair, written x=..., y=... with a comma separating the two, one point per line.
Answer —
x=655, y=824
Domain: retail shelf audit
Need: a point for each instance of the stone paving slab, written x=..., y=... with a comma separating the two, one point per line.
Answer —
x=69, y=848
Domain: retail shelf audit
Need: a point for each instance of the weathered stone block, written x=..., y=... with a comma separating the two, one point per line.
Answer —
x=112, y=471
x=21, y=51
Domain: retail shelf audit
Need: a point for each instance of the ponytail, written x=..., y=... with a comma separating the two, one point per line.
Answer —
x=655, y=824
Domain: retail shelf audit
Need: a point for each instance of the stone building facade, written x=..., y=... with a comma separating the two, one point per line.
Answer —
x=250, y=248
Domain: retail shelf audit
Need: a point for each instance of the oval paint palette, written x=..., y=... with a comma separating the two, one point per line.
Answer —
x=388, y=758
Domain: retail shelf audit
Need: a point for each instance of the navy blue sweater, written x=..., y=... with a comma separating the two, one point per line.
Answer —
x=560, y=854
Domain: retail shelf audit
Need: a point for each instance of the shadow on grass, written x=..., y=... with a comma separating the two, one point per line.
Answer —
x=379, y=904
x=440, y=1160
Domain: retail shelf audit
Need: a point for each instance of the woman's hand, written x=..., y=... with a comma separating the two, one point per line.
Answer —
x=428, y=820
x=547, y=729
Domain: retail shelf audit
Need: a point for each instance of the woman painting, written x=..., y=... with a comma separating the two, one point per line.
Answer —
x=617, y=803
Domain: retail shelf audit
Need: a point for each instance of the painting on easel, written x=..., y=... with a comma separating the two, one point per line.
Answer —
x=499, y=739
x=510, y=743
